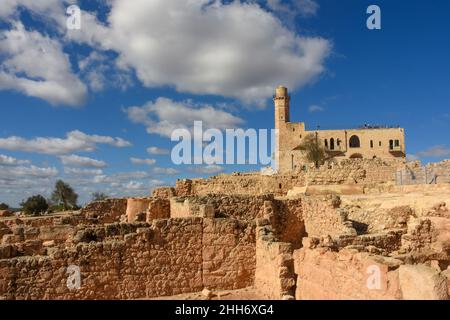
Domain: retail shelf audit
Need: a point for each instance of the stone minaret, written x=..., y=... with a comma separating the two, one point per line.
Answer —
x=281, y=101
x=282, y=105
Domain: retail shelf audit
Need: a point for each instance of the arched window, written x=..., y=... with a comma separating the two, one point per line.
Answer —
x=354, y=142
x=326, y=143
x=332, y=144
x=371, y=143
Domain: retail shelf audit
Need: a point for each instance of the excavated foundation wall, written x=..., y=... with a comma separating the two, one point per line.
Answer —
x=224, y=206
x=323, y=274
x=275, y=277
x=346, y=172
x=172, y=256
x=349, y=275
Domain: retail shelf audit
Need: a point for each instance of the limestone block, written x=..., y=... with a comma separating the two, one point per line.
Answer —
x=419, y=282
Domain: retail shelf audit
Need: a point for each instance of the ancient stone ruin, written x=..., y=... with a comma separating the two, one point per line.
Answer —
x=344, y=231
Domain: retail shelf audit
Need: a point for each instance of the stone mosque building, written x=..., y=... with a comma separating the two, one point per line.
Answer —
x=366, y=142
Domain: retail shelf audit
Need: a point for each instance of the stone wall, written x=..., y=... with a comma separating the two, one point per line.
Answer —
x=288, y=221
x=429, y=236
x=164, y=192
x=228, y=253
x=243, y=184
x=274, y=277
x=355, y=171
x=106, y=211
x=345, y=172
x=170, y=257
x=322, y=216
x=370, y=220
x=224, y=206
x=326, y=275
x=158, y=208
x=137, y=208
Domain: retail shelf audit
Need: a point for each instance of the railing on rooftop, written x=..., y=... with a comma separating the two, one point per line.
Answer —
x=421, y=175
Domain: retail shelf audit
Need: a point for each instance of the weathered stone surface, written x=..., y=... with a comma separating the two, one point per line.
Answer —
x=419, y=282
x=6, y=213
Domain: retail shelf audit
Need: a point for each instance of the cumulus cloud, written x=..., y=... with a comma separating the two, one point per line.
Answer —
x=10, y=161
x=82, y=172
x=133, y=185
x=74, y=160
x=143, y=161
x=165, y=115
x=165, y=171
x=436, y=151
x=236, y=49
x=52, y=10
x=116, y=179
x=20, y=172
x=158, y=151
x=36, y=65
x=75, y=141
x=294, y=8
x=315, y=108
x=210, y=169
x=99, y=71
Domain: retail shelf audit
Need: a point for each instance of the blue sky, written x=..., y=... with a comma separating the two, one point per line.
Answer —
x=86, y=105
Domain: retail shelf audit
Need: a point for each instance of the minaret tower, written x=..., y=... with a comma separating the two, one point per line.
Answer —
x=281, y=101
x=282, y=106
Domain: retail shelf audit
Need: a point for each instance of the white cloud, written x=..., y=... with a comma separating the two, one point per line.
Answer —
x=99, y=72
x=82, y=172
x=10, y=161
x=122, y=177
x=436, y=151
x=76, y=141
x=165, y=171
x=143, y=161
x=315, y=108
x=74, y=160
x=46, y=9
x=210, y=169
x=36, y=65
x=133, y=185
x=294, y=8
x=165, y=115
x=158, y=151
x=236, y=50
x=19, y=172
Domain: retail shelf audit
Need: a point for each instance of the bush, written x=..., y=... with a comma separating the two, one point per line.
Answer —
x=99, y=196
x=35, y=205
x=4, y=206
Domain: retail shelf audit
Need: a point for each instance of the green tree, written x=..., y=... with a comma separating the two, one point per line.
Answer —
x=313, y=150
x=35, y=205
x=4, y=206
x=64, y=196
x=99, y=196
